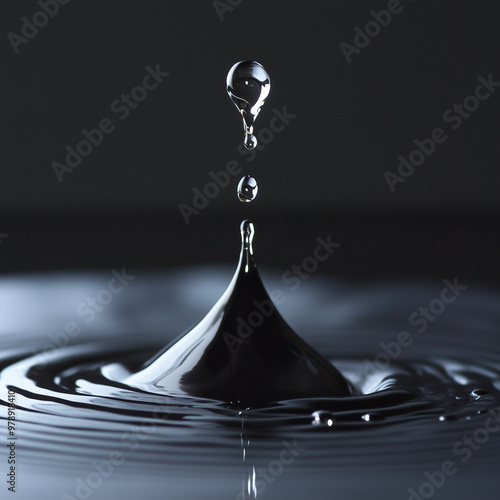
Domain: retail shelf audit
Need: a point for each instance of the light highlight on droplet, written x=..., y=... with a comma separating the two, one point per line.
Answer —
x=247, y=189
x=323, y=418
x=248, y=86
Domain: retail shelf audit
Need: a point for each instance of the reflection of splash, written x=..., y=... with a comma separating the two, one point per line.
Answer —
x=258, y=476
x=250, y=478
x=250, y=488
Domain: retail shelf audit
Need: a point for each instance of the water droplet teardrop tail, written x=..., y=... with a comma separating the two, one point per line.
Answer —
x=248, y=86
x=242, y=352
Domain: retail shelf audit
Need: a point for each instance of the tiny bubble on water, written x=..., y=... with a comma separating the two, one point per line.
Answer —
x=324, y=418
x=477, y=393
x=372, y=417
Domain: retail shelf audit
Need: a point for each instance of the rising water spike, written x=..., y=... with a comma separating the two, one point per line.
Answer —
x=242, y=352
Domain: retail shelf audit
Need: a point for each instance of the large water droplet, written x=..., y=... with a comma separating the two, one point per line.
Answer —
x=247, y=189
x=248, y=85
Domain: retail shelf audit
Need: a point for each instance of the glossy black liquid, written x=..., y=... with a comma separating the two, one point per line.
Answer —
x=243, y=352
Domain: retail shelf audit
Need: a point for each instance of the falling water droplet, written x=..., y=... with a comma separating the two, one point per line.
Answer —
x=323, y=418
x=250, y=141
x=247, y=189
x=248, y=85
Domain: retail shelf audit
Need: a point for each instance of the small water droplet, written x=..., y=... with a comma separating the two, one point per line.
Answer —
x=372, y=417
x=478, y=393
x=248, y=85
x=250, y=141
x=324, y=418
x=448, y=418
x=247, y=189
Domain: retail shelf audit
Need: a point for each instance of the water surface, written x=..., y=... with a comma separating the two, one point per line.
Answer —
x=407, y=418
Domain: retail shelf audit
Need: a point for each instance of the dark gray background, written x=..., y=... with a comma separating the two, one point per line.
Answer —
x=322, y=175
